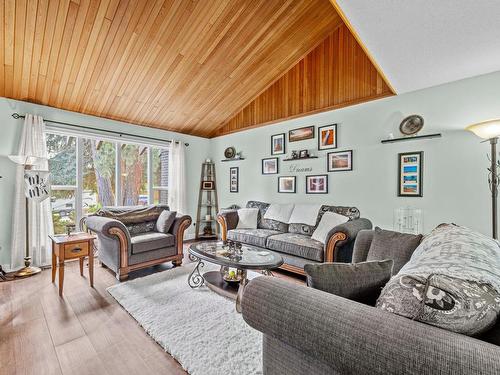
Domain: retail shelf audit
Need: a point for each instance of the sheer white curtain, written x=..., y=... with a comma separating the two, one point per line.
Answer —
x=32, y=143
x=177, y=178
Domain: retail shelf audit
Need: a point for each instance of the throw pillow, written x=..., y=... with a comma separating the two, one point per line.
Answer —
x=305, y=214
x=360, y=282
x=329, y=221
x=247, y=218
x=463, y=306
x=397, y=246
x=279, y=212
x=165, y=221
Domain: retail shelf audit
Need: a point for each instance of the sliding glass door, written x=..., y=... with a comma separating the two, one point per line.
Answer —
x=89, y=173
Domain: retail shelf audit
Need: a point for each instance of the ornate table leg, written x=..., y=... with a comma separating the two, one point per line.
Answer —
x=195, y=279
x=241, y=289
x=267, y=272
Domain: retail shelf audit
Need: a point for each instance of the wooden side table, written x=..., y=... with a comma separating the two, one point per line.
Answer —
x=65, y=247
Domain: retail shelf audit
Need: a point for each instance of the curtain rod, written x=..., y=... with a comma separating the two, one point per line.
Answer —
x=18, y=116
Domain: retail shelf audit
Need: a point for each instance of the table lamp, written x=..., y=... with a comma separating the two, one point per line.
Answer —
x=490, y=130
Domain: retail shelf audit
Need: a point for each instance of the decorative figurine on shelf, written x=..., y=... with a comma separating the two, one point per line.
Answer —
x=295, y=155
x=303, y=154
x=207, y=230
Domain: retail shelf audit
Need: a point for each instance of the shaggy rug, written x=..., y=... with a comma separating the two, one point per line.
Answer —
x=198, y=327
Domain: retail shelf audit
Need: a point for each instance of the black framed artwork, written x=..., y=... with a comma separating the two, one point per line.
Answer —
x=317, y=184
x=270, y=166
x=287, y=184
x=410, y=174
x=301, y=134
x=339, y=161
x=234, y=179
x=207, y=185
x=327, y=137
x=278, y=144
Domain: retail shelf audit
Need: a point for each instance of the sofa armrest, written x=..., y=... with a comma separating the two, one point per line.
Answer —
x=179, y=226
x=108, y=227
x=343, y=234
x=351, y=338
x=227, y=219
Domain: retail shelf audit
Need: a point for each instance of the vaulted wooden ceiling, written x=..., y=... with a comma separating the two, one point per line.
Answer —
x=183, y=65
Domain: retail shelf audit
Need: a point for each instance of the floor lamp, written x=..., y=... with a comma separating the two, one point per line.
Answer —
x=27, y=162
x=490, y=130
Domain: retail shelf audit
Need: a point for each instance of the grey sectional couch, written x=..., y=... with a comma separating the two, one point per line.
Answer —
x=293, y=241
x=334, y=335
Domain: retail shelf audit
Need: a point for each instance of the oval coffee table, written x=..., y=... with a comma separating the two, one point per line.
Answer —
x=247, y=258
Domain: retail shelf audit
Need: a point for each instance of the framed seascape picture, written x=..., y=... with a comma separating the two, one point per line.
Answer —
x=317, y=184
x=233, y=179
x=327, y=137
x=286, y=184
x=301, y=134
x=339, y=161
x=270, y=166
x=410, y=174
x=278, y=144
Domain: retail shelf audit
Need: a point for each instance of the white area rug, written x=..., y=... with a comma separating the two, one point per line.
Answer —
x=198, y=327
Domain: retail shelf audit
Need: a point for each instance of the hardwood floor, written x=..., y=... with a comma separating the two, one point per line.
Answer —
x=85, y=332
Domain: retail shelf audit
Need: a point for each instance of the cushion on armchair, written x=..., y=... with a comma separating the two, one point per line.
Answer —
x=165, y=221
x=360, y=282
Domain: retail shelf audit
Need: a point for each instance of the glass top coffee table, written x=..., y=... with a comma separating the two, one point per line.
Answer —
x=240, y=257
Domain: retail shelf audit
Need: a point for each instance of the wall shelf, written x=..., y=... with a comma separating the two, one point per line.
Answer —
x=412, y=138
x=234, y=159
x=309, y=157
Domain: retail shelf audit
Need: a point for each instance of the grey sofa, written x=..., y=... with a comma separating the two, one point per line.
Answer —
x=127, y=239
x=293, y=241
x=333, y=335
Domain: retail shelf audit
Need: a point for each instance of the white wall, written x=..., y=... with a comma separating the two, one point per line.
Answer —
x=455, y=178
x=10, y=129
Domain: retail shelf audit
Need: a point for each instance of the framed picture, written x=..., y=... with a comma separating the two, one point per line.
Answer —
x=410, y=174
x=207, y=185
x=278, y=144
x=317, y=184
x=301, y=134
x=234, y=179
x=327, y=137
x=339, y=161
x=286, y=184
x=270, y=166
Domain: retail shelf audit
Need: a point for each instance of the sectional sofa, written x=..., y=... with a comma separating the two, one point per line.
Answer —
x=293, y=240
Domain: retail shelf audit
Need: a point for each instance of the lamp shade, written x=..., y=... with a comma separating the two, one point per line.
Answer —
x=486, y=129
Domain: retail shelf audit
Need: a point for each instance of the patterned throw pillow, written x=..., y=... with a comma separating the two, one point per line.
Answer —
x=165, y=221
x=461, y=306
x=147, y=226
x=266, y=223
x=307, y=230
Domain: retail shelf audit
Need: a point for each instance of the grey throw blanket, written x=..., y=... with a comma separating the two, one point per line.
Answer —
x=458, y=252
x=132, y=214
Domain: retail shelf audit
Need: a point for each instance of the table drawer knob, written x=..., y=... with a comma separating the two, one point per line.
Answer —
x=76, y=250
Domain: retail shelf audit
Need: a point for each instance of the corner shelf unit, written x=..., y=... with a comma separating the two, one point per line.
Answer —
x=412, y=138
x=207, y=205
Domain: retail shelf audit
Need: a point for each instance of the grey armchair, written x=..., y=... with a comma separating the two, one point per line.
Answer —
x=123, y=251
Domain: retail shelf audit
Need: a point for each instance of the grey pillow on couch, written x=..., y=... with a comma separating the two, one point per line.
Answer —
x=165, y=221
x=397, y=246
x=360, y=282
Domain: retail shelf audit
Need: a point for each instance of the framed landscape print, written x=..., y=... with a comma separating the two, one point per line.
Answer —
x=339, y=161
x=278, y=144
x=317, y=184
x=233, y=179
x=270, y=166
x=301, y=134
x=327, y=137
x=410, y=174
x=286, y=184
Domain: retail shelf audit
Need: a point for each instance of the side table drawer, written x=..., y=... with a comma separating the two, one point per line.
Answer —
x=76, y=250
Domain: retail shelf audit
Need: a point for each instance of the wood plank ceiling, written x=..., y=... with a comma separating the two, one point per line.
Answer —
x=335, y=74
x=179, y=65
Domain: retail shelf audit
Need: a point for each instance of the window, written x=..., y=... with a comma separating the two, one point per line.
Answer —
x=159, y=159
x=87, y=174
x=62, y=165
